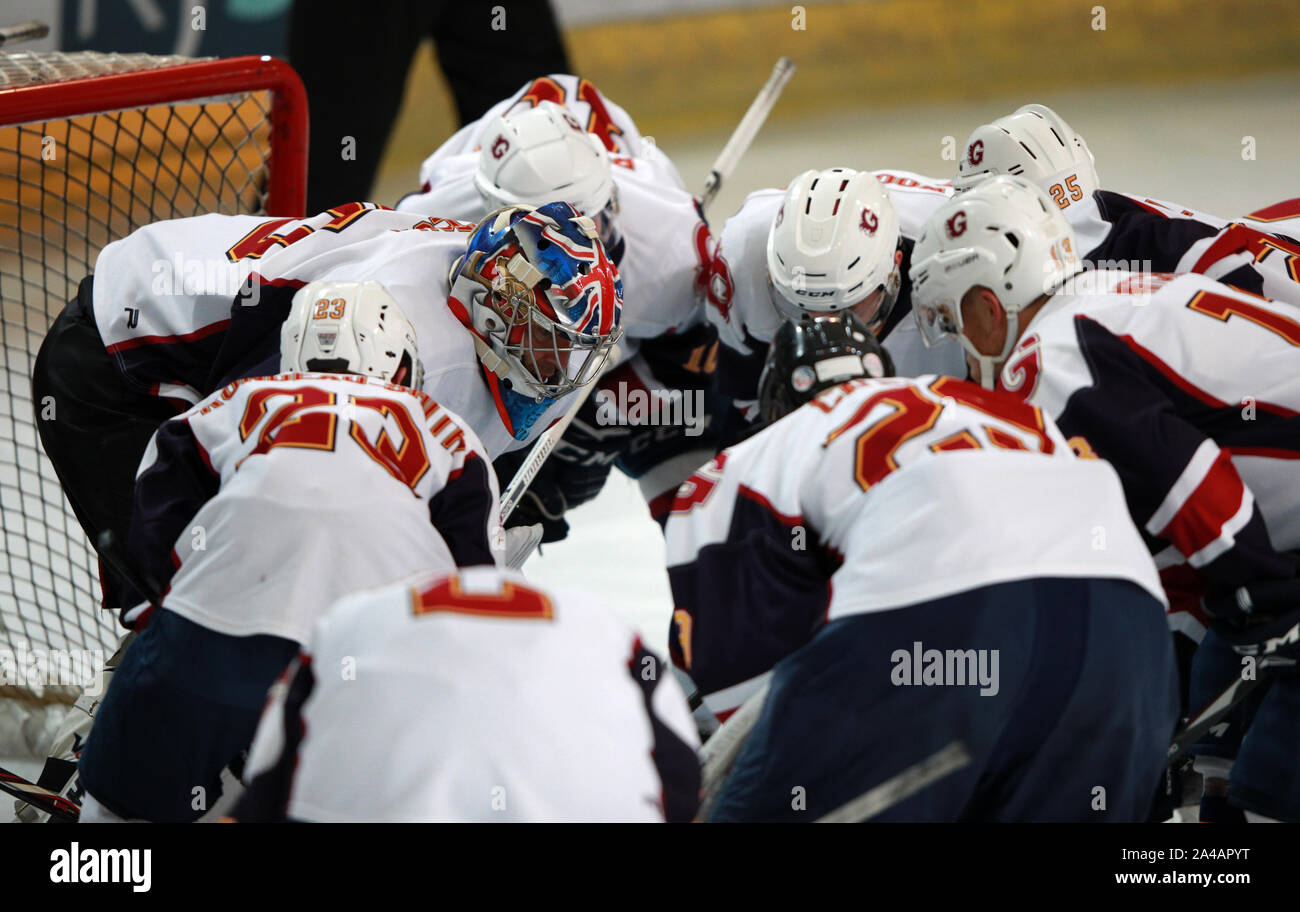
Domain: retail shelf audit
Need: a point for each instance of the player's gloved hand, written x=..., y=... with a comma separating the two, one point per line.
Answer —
x=544, y=509
x=1260, y=619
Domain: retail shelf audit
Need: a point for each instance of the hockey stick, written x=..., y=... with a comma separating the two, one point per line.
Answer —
x=1211, y=713
x=736, y=145
x=42, y=799
x=24, y=31
x=747, y=129
x=720, y=751
x=904, y=785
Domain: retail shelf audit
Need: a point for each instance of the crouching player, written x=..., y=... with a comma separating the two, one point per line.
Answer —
x=257, y=509
x=917, y=561
x=473, y=696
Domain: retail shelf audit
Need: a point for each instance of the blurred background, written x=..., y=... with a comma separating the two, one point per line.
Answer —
x=1193, y=102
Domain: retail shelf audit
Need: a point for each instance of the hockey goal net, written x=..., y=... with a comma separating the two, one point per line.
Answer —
x=93, y=146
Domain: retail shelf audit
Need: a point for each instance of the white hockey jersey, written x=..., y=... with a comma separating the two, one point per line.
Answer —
x=666, y=253
x=876, y=495
x=276, y=496
x=594, y=111
x=748, y=320
x=473, y=697
x=1127, y=232
x=1191, y=389
x=163, y=301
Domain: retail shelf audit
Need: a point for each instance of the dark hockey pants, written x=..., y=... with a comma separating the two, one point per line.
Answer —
x=1078, y=729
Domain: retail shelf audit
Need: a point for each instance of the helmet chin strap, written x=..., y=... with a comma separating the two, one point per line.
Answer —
x=991, y=365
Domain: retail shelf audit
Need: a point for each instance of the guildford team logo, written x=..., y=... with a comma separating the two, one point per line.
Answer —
x=869, y=222
x=499, y=147
x=976, y=152
x=957, y=225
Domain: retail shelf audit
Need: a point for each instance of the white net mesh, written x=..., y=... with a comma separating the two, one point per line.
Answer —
x=68, y=186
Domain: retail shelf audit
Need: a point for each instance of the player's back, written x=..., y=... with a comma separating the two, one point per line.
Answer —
x=477, y=697
x=300, y=463
x=1225, y=362
x=915, y=489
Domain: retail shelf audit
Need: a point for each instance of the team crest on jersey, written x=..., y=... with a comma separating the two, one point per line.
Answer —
x=975, y=154
x=869, y=222
x=956, y=225
x=499, y=146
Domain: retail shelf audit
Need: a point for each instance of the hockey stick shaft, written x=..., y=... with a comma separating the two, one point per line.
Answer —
x=747, y=129
x=42, y=799
x=721, y=750
x=24, y=31
x=904, y=785
x=1213, y=712
x=547, y=441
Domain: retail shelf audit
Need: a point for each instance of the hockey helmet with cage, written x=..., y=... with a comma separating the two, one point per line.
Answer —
x=835, y=245
x=350, y=328
x=1035, y=143
x=813, y=354
x=544, y=302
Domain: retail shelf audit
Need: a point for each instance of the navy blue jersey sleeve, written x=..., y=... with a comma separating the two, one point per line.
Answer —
x=463, y=513
x=168, y=493
x=1181, y=486
x=743, y=604
x=675, y=761
x=266, y=799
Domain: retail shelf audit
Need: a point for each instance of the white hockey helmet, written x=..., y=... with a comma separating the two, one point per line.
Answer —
x=834, y=245
x=349, y=327
x=1005, y=235
x=1033, y=142
x=541, y=155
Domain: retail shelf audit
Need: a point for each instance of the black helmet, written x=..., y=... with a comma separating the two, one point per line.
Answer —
x=816, y=354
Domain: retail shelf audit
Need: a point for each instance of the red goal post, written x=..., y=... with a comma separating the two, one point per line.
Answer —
x=92, y=147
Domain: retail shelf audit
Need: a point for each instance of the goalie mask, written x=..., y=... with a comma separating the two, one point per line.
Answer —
x=544, y=302
x=814, y=354
x=350, y=328
x=543, y=154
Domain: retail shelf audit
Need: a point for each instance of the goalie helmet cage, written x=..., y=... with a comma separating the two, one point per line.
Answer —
x=93, y=146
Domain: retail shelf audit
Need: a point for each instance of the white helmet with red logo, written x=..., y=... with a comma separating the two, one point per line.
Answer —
x=835, y=245
x=1005, y=235
x=350, y=328
x=541, y=155
x=1033, y=143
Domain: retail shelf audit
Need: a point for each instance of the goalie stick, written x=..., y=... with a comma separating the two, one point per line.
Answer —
x=882, y=797
x=1213, y=712
x=721, y=750
x=726, y=162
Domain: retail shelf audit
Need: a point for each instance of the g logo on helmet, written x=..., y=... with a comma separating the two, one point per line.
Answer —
x=869, y=222
x=780, y=215
x=976, y=152
x=957, y=225
x=568, y=119
x=499, y=146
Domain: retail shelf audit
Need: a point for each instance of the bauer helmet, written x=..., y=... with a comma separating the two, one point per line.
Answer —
x=544, y=154
x=1034, y=143
x=352, y=328
x=544, y=302
x=814, y=354
x=1004, y=235
x=834, y=246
